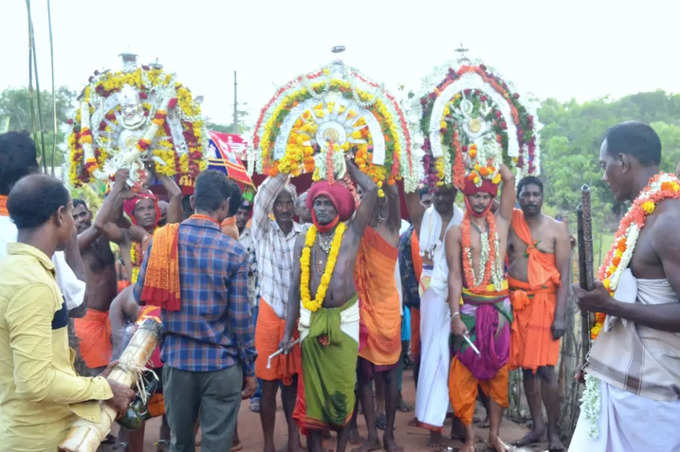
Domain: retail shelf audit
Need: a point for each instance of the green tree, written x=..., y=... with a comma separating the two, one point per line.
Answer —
x=15, y=113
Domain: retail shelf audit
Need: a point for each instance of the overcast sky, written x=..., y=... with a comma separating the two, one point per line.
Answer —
x=571, y=49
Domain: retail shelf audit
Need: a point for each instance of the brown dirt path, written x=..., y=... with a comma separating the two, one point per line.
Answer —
x=412, y=439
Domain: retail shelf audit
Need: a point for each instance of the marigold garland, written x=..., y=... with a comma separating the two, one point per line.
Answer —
x=659, y=188
x=305, y=263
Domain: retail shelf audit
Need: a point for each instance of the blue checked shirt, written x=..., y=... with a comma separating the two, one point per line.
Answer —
x=213, y=329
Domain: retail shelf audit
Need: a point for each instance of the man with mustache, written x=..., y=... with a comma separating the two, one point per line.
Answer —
x=274, y=240
x=475, y=254
x=538, y=254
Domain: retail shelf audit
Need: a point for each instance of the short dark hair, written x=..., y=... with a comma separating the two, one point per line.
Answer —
x=79, y=202
x=17, y=159
x=212, y=188
x=529, y=180
x=424, y=191
x=34, y=199
x=637, y=139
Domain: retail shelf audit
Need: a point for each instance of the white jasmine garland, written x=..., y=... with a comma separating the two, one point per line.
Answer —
x=591, y=405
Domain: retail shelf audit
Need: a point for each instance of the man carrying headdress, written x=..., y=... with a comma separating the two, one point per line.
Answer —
x=274, y=239
x=380, y=317
x=475, y=253
x=324, y=297
x=430, y=323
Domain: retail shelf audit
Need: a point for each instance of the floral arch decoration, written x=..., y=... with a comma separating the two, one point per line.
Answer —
x=471, y=123
x=314, y=120
x=134, y=118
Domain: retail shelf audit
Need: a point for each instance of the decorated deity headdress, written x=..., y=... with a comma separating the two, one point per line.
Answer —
x=470, y=122
x=314, y=120
x=137, y=116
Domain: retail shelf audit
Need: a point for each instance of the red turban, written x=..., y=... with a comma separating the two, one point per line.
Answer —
x=487, y=187
x=471, y=189
x=338, y=194
x=129, y=205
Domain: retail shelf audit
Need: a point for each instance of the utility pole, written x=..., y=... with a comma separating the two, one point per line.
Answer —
x=235, y=106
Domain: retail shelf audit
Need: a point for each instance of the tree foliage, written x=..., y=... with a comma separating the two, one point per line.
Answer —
x=571, y=138
x=15, y=114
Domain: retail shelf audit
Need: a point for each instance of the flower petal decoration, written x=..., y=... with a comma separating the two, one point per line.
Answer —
x=134, y=117
x=315, y=119
x=467, y=116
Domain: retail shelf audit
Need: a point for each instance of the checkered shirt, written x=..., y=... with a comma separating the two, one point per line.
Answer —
x=213, y=329
x=273, y=248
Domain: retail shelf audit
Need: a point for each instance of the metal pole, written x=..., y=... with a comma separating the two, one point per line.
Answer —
x=235, y=106
x=54, y=97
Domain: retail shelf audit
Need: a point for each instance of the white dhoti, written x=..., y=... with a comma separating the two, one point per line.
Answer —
x=629, y=422
x=432, y=395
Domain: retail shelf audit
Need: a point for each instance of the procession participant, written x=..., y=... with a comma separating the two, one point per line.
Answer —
x=538, y=275
x=475, y=254
x=633, y=372
x=328, y=321
x=243, y=215
x=431, y=225
x=411, y=267
x=207, y=347
x=274, y=241
x=303, y=212
x=17, y=159
x=94, y=330
x=40, y=393
x=380, y=316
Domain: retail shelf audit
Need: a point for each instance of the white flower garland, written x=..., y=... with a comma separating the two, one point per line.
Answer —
x=591, y=405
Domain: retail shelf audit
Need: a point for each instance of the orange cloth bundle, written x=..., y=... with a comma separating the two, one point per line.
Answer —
x=380, y=318
x=161, y=281
x=533, y=304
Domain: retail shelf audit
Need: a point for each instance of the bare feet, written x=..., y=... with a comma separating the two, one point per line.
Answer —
x=436, y=440
x=554, y=443
x=368, y=445
x=469, y=446
x=496, y=444
x=533, y=437
x=390, y=445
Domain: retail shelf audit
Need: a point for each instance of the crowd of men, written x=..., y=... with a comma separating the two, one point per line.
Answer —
x=324, y=295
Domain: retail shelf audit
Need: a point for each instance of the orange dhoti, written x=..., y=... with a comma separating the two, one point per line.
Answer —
x=94, y=333
x=533, y=304
x=269, y=331
x=532, y=344
x=379, y=313
x=463, y=389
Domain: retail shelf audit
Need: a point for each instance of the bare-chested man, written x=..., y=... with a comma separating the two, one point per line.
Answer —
x=380, y=317
x=323, y=284
x=633, y=370
x=94, y=329
x=538, y=252
x=475, y=254
x=432, y=360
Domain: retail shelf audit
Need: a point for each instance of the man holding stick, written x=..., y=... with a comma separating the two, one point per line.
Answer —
x=634, y=364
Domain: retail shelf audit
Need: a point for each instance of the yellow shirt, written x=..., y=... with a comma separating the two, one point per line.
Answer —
x=40, y=393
